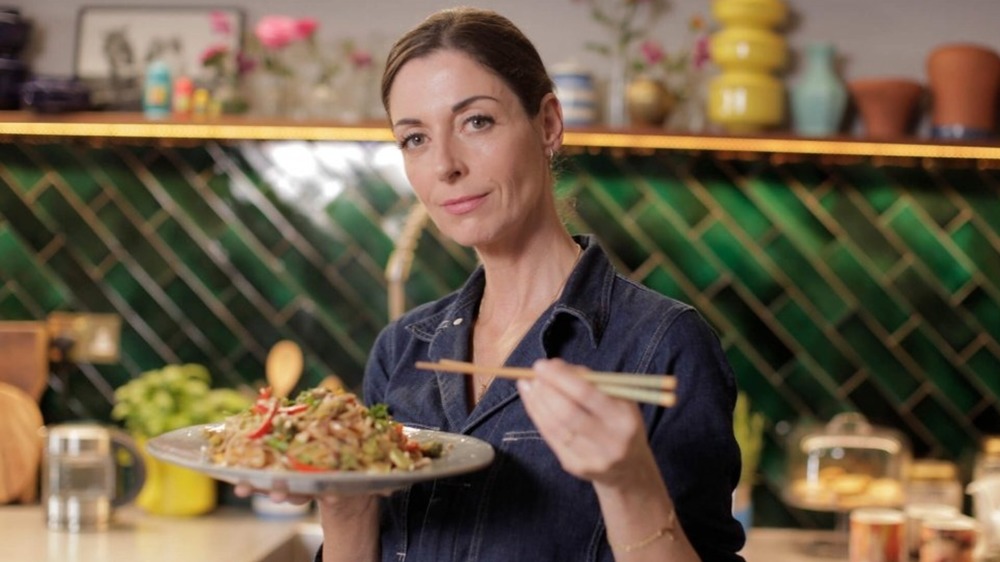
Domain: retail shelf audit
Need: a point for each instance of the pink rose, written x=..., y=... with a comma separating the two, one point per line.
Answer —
x=244, y=63
x=276, y=32
x=652, y=52
x=305, y=27
x=361, y=58
x=214, y=55
x=701, y=53
x=220, y=23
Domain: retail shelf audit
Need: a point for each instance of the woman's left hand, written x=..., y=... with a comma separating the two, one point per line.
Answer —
x=595, y=436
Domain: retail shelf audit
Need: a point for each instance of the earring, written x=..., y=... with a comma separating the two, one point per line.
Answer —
x=549, y=153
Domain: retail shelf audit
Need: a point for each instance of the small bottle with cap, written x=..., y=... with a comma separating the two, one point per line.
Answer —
x=183, y=95
x=156, y=93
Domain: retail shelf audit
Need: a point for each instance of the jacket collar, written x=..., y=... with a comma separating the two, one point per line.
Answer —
x=586, y=298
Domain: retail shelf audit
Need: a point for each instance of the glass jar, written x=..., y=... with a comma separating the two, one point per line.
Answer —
x=933, y=481
x=846, y=464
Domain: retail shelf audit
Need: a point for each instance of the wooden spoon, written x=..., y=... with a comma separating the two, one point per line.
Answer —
x=283, y=367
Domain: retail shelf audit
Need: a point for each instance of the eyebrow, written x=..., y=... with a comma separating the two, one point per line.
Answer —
x=459, y=106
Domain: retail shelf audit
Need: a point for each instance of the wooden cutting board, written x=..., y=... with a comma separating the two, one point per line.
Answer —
x=21, y=445
x=24, y=349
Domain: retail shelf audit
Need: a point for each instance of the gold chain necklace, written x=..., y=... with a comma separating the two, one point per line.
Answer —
x=478, y=396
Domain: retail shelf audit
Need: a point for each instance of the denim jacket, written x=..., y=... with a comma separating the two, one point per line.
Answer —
x=524, y=506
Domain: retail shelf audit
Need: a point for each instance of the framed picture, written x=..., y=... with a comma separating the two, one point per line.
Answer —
x=115, y=43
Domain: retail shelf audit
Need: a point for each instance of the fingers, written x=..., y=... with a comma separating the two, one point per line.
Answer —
x=244, y=490
x=590, y=432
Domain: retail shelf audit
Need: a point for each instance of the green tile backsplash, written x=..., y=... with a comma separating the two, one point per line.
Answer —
x=832, y=286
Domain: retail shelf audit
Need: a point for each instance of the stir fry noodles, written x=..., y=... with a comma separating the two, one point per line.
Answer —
x=321, y=430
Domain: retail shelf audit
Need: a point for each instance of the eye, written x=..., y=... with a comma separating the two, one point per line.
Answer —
x=412, y=141
x=480, y=121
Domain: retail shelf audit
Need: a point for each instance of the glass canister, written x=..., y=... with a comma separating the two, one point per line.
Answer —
x=934, y=481
x=846, y=464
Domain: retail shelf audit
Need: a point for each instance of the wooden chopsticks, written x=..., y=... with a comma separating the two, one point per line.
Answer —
x=650, y=389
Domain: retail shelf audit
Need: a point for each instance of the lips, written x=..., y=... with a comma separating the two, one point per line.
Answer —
x=463, y=205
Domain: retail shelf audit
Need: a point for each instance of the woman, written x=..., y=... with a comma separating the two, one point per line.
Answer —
x=578, y=475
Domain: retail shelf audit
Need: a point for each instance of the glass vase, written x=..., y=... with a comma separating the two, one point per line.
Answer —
x=274, y=95
x=616, y=114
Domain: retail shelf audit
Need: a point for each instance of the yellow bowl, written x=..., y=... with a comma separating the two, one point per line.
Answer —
x=750, y=13
x=744, y=102
x=744, y=48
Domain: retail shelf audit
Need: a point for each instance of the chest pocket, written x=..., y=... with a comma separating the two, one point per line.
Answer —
x=532, y=509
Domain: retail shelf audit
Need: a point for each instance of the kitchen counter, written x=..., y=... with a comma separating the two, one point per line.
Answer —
x=236, y=535
x=227, y=535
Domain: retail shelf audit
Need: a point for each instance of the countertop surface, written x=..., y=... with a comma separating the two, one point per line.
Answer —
x=226, y=535
x=237, y=535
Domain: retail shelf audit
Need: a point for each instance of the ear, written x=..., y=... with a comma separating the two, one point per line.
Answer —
x=551, y=116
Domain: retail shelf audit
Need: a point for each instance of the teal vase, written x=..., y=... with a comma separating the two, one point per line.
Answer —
x=819, y=99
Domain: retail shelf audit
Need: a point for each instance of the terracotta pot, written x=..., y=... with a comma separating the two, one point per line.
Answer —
x=964, y=79
x=886, y=105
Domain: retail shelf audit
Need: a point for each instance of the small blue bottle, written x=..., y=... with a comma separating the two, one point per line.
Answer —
x=156, y=92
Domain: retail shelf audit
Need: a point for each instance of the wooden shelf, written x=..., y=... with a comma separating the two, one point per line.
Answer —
x=111, y=125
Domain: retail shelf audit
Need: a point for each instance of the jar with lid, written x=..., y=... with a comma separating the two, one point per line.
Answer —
x=934, y=481
x=846, y=464
x=988, y=458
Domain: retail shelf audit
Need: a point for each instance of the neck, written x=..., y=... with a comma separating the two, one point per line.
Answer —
x=524, y=285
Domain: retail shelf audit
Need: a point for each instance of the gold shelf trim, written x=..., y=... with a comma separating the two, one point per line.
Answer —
x=98, y=125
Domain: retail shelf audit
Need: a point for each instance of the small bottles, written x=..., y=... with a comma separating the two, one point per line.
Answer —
x=156, y=93
x=182, y=96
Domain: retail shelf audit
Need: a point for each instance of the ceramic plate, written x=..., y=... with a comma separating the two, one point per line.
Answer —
x=188, y=447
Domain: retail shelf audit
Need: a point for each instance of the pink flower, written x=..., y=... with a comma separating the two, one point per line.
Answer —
x=220, y=23
x=361, y=58
x=652, y=52
x=244, y=63
x=277, y=32
x=701, y=54
x=214, y=55
x=305, y=27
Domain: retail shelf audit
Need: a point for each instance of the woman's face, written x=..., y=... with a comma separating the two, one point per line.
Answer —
x=474, y=157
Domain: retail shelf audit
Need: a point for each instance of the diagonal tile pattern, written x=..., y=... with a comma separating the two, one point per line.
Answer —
x=833, y=286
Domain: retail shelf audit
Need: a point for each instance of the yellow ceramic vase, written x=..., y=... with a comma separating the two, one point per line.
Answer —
x=173, y=490
x=748, y=48
x=750, y=13
x=746, y=98
x=746, y=102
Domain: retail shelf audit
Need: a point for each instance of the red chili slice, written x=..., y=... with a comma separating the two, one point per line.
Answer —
x=294, y=409
x=265, y=426
x=263, y=400
x=296, y=464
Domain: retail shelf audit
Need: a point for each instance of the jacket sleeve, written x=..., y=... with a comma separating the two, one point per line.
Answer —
x=694, y=442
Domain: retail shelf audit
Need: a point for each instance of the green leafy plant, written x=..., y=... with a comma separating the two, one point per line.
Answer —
x=748, y=426
x=173, y=397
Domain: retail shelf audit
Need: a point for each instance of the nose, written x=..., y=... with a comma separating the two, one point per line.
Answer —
x=448, y=161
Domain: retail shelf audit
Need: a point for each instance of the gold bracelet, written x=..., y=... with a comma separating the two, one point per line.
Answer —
x=664, y=531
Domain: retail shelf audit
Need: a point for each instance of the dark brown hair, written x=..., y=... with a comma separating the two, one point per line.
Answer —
x=486, y=37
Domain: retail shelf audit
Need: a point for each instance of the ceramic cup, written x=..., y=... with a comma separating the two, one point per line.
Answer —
x=948, y=539
x=877, y=535
x=916, y=514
